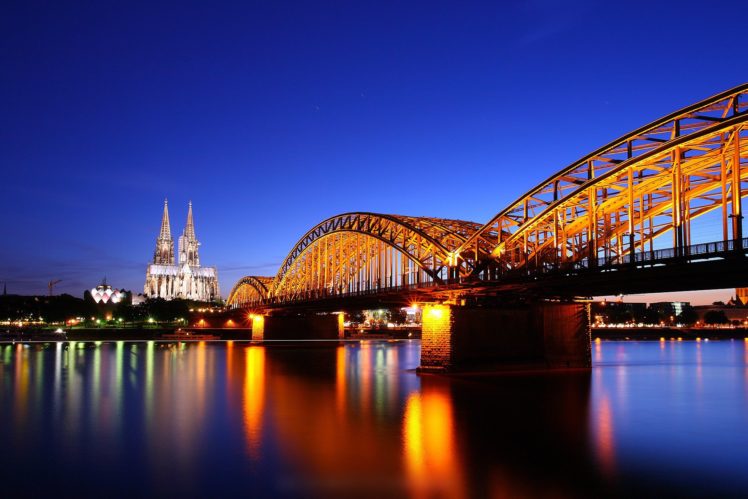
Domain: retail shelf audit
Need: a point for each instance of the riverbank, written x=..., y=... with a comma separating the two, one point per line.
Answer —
x=656, y=333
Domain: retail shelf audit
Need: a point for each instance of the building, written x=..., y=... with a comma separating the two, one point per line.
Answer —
x=184, y=278
x=104, y=293
x=672, y=308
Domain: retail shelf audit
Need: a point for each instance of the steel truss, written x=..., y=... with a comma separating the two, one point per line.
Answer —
x=357, y=252
x=248, y=290
x=606, y=209
x=617, y=199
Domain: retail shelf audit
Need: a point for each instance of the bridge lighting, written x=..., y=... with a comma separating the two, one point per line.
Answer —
x=436, y=311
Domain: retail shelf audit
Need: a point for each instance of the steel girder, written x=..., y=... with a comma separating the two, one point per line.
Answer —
x=364, y=251
x=633, y=153
x=249, y=289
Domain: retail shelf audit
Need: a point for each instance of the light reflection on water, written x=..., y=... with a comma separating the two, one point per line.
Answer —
x=336, y=419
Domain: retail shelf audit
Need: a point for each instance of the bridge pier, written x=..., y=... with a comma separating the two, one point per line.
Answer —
x=297, y=327
x=541, y=335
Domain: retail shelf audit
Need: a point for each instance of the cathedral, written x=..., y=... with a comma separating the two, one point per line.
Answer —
x=185, y=279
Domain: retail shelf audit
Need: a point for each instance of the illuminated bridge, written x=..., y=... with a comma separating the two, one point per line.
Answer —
x=658, y=209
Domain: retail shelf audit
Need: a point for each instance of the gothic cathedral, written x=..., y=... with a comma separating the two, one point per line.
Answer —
x=185, y=279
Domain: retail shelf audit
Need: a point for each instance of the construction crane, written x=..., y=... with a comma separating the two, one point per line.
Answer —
x=51, y=285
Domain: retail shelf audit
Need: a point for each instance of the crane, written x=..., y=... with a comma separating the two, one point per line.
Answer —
x=51, y=285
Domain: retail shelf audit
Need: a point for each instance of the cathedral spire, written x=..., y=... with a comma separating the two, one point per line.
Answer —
x=189, y=230
x=165, y=227
x=188, y=243
x=164, y=254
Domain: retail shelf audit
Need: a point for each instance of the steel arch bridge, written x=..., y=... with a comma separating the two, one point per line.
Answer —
x=609, y=208
x=370, y=252
x=250, y=289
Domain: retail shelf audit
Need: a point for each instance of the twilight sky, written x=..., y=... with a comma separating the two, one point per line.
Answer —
x=271, y=116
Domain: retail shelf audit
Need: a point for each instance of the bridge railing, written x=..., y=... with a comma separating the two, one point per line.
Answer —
x=695, y=252
x=330, y=293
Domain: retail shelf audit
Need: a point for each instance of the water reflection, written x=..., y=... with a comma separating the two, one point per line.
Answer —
x=430, y=449
x=342, y=419
x=254, y=397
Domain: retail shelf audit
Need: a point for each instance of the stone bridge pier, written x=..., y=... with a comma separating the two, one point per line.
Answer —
x=540, y=335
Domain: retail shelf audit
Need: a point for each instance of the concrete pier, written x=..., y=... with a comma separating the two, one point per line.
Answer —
x=541, y=335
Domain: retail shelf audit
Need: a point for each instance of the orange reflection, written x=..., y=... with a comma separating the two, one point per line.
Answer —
x=365, y=375
x=340, y=380
x=22, y=386
x=254, y=397
x=598, y=350
x=604, y=439
x=429, y=446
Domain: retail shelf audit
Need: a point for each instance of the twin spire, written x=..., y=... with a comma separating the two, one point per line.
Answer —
x=165, y=227
x=164, y=254
x=189, y=230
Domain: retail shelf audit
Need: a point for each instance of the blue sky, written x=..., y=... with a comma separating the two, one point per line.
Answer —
x=271, y=116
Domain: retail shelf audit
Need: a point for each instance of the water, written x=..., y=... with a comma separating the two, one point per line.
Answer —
x=329, y=419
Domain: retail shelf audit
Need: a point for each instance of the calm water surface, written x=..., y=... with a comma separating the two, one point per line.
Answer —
x=329, y=419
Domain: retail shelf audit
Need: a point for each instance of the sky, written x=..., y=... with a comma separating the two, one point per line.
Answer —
x=271, y=116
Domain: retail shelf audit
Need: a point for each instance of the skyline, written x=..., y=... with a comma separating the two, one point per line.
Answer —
x=271, y=120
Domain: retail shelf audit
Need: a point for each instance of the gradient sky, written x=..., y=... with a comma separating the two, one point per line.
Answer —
x=271, y=116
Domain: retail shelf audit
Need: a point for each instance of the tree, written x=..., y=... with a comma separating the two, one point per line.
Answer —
x=688, y=315
x=357, y=317
x=397, y=315
x=653, y=316
x=716, y=317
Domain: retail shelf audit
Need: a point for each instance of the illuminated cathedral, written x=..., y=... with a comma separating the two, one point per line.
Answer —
x=185, y=278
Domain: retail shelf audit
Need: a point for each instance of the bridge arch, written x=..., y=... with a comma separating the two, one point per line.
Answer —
x=613, y=203
x=363, y=252
x=249, y=289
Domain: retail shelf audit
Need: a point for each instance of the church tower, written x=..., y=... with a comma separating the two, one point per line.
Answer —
x=188, y=243
x=164, y=254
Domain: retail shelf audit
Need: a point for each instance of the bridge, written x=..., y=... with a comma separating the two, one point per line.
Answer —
x=658, y=209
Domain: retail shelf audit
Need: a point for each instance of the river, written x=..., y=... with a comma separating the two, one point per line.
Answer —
x=329, y=419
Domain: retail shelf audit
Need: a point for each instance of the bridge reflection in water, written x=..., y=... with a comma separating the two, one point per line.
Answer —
x=354, y=419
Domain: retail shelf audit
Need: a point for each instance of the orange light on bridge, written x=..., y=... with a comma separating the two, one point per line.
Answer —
x=258, y=327
x=435, y=312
